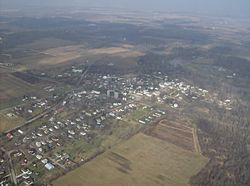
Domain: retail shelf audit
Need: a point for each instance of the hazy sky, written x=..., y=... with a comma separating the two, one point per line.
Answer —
x=219, y=7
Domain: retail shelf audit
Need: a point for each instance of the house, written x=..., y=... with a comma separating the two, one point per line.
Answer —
x=142, y=122
x=38, y=156
x=77, y=70
x=44, y=161
x=175, y=105
x=49, y=166
x=20, y=131
x=25, y=176
x=95, y=92
x=83, y=133
x=10, y=115
x=9, y=136
x=71, y=132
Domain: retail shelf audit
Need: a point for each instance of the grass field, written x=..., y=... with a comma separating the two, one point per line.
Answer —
x=138, y=114
x=8, y=123
x=142, y=160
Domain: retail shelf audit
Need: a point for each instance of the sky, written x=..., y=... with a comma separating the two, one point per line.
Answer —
x=211, y=7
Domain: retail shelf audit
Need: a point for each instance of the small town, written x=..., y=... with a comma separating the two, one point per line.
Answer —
x=124, y=93
x=30, y=153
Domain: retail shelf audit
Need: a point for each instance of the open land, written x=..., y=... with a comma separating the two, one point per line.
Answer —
x=65, y=54
x=142, y=160
x=177, y=134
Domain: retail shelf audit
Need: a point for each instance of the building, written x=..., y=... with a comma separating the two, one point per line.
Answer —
x=112, y=93
x=49, y=166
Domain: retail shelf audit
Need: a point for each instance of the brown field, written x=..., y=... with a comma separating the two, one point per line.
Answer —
x=174, y=133
x=59, y=58
x=124, y=51
x=29, y=78
x=202, y=110
x=11, y=86
x=142, y=160
x=46, y=43
x=12, y=89
x=67, y=53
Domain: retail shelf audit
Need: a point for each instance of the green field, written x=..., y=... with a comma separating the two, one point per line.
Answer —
x=9, y=123
x=142, y=160
x=138, y=114
x=103, y=140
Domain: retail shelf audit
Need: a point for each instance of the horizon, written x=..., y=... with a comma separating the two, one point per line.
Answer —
x=229, y=8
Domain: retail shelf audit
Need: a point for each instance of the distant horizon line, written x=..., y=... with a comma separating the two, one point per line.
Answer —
x=192, y=13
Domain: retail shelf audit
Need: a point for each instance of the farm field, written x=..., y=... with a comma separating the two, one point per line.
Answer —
x=142, y=160
x=60, y=55
x=174, y=133
x=45, y=58
x=12, y=88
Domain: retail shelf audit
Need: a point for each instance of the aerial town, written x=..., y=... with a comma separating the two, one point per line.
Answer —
x=103, y=97
x=64, y=127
